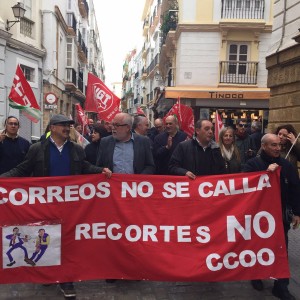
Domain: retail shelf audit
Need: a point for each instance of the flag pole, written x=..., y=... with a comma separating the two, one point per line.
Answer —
x=295, y=141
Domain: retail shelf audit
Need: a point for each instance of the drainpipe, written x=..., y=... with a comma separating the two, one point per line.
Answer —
x=283, y=30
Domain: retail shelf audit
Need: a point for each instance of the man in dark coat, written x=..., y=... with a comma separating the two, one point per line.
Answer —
x=13, y=148
x=125, y=152
x=270, y=160
x=165, y=143
x=198, y=156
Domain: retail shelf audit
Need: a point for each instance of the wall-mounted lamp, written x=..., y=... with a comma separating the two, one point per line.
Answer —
x=144, y=88
x=18, y=11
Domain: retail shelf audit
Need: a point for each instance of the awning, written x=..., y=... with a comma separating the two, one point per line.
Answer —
x=197, y=92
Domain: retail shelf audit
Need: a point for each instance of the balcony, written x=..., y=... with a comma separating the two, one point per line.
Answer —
x=70, y=79
x=83, y=51
x=238, y=72
x=243, y=9
x=153, y=64
x=26, y=27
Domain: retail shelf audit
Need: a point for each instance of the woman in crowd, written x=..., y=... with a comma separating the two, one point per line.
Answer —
x=287, y=135
x=229, y=150
x=91, y=149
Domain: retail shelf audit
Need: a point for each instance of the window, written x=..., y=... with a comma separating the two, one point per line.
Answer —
x=69, y=52
x=28, y=7
x=29, y=73
x=238, y=53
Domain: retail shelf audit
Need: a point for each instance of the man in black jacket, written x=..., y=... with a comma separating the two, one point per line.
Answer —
x=165, y=143
x=198, y=156
x=56, y=156
x=13, y=148
x=270, y=160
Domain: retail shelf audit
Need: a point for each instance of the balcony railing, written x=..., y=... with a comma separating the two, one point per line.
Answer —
x=153, y=63
x=243, y=9
x=238, y=72
x=26, y=26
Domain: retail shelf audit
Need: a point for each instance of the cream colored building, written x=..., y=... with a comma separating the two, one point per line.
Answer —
x=211, y=54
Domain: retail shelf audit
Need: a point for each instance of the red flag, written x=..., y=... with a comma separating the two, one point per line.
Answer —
x=139, y=111
x=185, y=117
x=100, y=99
x=218, y=126
x=81, y=117
x=22, y=97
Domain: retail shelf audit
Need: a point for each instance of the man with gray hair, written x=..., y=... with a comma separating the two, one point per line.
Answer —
x=270, y=160
x=140, y=125
x=125, y=152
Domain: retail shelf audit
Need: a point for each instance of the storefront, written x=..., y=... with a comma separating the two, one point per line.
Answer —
x=231, y=103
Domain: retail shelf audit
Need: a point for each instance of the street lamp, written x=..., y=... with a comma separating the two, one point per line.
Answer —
x=18, y=11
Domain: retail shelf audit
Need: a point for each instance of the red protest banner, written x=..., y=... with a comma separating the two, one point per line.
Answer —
x=142, y=227
x=100, y=99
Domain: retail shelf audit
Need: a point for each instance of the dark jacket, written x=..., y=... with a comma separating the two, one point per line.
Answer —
x=244, y=144
x=12, y=152
x=190, y=156
x=142, y=161
x=289, y=179
x=37, y=161
x=91, y=151
x=161, y=154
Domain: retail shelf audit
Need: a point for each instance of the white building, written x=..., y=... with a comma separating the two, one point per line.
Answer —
x=21, y=43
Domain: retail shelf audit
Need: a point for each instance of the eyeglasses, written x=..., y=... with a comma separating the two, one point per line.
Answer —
x=13, y=124
x=243, y=125
x=118, y=125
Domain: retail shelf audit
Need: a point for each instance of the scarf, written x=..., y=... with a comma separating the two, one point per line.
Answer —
x=227, y=154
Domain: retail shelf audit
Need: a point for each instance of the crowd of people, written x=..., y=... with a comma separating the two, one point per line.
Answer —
x=128, y=145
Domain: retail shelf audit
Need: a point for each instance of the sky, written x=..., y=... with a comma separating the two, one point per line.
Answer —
x=121, y=29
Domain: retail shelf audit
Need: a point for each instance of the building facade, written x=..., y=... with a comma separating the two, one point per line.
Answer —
x=211, y=54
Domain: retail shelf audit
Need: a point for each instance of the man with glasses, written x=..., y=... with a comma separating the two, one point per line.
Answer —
x=56, y=156
x=244, y=142
x=13, y=148
x=125, y=152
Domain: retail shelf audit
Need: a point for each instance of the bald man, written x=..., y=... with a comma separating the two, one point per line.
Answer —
x=270, y=160
x=165, y=143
